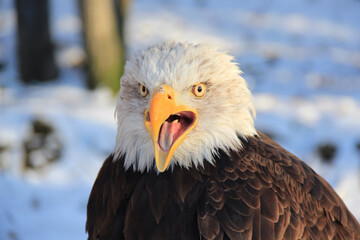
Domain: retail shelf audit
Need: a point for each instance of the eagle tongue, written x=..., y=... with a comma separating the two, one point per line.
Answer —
x=167, y=132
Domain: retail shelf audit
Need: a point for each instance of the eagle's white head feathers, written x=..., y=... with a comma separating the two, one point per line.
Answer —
x=225, y=112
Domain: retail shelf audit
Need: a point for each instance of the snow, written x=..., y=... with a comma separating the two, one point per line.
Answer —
x=301, y=60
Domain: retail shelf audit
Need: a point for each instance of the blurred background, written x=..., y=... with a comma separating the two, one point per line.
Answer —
x=60, y=65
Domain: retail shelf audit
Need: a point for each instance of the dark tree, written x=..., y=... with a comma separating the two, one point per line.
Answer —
x=34, y=46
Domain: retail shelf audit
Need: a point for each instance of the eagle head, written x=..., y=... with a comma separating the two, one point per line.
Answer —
x=181, y=103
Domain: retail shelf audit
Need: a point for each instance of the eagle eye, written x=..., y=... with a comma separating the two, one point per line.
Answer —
x=199, y=90
x=143, y=90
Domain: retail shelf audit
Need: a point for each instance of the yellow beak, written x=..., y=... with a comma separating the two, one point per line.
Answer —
x=168, y=124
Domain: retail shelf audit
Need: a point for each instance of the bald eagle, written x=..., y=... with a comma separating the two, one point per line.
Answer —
x=189, y=164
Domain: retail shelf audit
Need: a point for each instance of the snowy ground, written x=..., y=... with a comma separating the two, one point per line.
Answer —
x=301, y=59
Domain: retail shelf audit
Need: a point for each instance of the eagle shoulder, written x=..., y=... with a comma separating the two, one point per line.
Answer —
x=107, y=201
x=265, y=192
x=124, y=204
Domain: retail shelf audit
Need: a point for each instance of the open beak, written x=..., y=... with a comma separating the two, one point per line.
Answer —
x=168, y=124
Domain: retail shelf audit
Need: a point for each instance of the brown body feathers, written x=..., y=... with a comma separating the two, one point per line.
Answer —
x=260, y=192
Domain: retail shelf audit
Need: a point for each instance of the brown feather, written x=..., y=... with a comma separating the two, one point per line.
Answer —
x=269, y=206
x=158, y=193
x=209, y=226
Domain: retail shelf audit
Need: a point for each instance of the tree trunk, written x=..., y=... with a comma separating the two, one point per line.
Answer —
x=103, y=23
x=34, y=46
